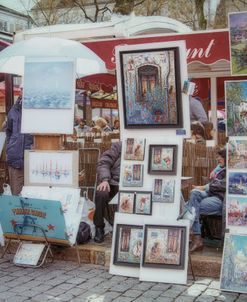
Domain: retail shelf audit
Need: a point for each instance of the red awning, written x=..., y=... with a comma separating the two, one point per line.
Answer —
x=203, y=47
x=96, y=82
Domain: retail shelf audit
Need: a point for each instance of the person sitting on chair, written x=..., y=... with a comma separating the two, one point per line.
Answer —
x=108, y=171
x=208, y=199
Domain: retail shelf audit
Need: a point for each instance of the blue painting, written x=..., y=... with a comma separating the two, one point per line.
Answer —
x=15, y=210
x=234, y=268
x=237, y=183
x=48, y=85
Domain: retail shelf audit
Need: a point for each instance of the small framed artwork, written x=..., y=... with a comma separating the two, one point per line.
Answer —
x=236, y=211
x=126, y=200
x=143, y=203
x=51, y=168
x=234, y=268
x=163, y=190
x=133, y=175
x=162, y=159
x=237, y=154
x=128, y=245
x=164, y=246
x=151, y=88
x=237, y=183
x=134, y=149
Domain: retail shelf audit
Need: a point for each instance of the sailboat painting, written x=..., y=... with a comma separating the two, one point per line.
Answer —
x=48, y=85
x=51, y=168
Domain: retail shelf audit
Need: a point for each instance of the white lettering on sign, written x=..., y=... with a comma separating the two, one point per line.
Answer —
x=200, y=52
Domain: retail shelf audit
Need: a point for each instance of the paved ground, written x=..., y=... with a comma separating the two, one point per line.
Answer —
x=66, y=281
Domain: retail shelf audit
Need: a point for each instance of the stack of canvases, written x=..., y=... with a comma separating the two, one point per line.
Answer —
x=148, y=241
x=234, y=269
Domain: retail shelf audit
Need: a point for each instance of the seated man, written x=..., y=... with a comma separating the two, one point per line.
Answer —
x=108, y=171
x=208, y=199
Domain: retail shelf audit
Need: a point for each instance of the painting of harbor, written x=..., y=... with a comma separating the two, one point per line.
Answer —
x=236, y=99
x=234, y=268
x=48, y=85
x=237, y=183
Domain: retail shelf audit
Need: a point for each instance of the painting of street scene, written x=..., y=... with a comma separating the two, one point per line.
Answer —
x=237, y=154
x=236, y=99
x=238, y=42
x=237, y=183
x=234, y=268
x=237, y=211
x=151, y=88
x=164, y=246
x=128, y=245
x=48, y=85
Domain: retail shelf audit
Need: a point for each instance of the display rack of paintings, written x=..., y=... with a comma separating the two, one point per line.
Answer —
x=237, y=37
x=133, y=202
x=128, y=245
x=234, y=268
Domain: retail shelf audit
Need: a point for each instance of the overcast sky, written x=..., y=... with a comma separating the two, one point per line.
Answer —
x=19, y=5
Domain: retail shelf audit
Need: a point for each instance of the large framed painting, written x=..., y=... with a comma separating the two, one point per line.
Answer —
x=164, y=246
x=128, y=245
x=236, y=101
x=237, y=211
x=237, y=183
x=151, y=88
x=162, y=159
x=51, y=168
x=234, y=268
x=237, y=154
x=237, y=36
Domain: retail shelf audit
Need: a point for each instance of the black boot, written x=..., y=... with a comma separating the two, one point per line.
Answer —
x=99, y=235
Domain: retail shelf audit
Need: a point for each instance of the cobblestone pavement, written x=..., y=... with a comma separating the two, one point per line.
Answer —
x=66, y=281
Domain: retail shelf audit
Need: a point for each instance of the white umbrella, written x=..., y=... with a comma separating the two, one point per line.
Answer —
x=87, y=62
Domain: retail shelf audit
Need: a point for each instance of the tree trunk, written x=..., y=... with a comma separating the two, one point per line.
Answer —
x=202, y=22
x=220, y=20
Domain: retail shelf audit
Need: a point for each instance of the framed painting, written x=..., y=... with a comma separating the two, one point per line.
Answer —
x=143, y=203
x=236, y=102
x=164, y=246
x=234, y=268
x=133, y=175
x=162, y=159
x=51, y=168
x=163, y=190
x=134, y=149
x=237, y=154
x=237, y=23
x=237, y=183
x=126, y=200
x=237, y=211
x=128, y=245
x=151, y=88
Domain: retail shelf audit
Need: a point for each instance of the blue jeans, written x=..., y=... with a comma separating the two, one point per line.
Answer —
x=203, y=204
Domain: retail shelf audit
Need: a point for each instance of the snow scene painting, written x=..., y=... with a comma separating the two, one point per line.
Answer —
x=234, y=268
x=48, y=85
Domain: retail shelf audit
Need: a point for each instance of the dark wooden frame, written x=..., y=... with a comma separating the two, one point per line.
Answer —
x=173, y=171
x=177, y=80
x=181, y=265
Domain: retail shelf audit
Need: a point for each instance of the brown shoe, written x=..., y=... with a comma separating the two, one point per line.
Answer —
x=197, y=244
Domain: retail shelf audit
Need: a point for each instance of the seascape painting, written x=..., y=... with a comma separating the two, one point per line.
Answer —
x=237, y=211
x=49, y=85
x=234, y=268
x=237, y=183
x=238, y=42
x=151, y=88
x=236, y=100
x=128, y=245
x=237, y=154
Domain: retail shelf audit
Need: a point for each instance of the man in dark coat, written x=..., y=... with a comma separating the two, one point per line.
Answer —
x=108, y=171
x=16, y=143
